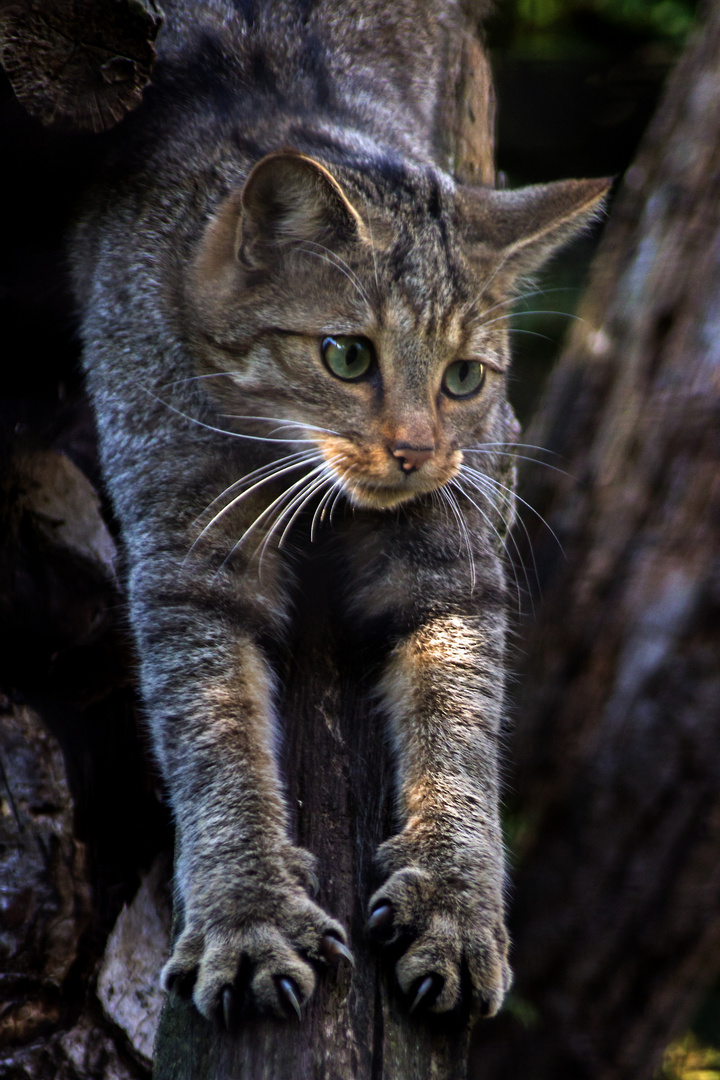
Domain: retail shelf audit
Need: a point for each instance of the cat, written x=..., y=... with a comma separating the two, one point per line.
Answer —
x=289, y=305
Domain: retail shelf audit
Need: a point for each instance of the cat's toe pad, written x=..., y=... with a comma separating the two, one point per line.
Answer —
x=451, y=942
x=259, y=966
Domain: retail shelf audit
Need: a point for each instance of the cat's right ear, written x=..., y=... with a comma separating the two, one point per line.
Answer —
x=289, y=198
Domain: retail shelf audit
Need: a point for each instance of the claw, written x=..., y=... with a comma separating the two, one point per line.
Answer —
x=485, y=1007
x=426, y=987
x=314, y=883
x=287, y=993
x=334, y=951
x=181, y=983
x=228, y=1007
x=380, y=921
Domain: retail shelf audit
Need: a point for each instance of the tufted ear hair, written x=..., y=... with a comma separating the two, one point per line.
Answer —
x=522, y=228
x=290, y=197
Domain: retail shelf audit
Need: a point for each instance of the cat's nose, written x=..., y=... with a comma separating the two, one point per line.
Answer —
x=412, y=457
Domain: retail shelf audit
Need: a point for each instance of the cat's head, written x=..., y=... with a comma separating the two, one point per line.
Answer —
x=368, y=310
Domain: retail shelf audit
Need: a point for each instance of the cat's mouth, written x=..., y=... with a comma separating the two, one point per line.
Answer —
x=371, y=479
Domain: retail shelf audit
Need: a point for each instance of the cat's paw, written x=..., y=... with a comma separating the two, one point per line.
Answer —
x=452, y=943
x=254, y=950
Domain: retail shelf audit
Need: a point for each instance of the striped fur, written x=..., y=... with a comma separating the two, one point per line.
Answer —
x=282, y=182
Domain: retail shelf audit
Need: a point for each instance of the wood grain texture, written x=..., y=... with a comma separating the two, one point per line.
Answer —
x=79, y=64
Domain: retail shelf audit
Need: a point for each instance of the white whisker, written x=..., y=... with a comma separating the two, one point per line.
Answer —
x=316, y=485
x=453, y=504
x=518, y=457
x=340, y=491
x=220, y=431
x=372, y=249
x=514, y=314
x=516, y=300
x=269, y=470
x=350, y=276
x=320, y=508
x=238, y=498
x=502, y=542
x=341, y=265
x=487, y=491
x=523, y=446
x=298, y=500
x=494, y=274
x=269, y=509
x=198, y=378
x=284, y=423
x=514, y=494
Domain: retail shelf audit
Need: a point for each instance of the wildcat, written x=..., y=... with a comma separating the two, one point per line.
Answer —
x=290, y=306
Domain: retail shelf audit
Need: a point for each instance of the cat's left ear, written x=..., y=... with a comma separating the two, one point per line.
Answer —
x=521, y=229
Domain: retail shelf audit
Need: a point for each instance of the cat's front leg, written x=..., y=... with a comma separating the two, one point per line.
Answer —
x=252, y=936
x=442, y=906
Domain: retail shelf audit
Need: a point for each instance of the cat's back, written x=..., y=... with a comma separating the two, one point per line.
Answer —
x=274, y=68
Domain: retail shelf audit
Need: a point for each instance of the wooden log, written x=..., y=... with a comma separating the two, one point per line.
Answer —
x=79, y=64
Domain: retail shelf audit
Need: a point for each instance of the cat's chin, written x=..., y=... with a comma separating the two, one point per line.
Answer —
x=380, y=498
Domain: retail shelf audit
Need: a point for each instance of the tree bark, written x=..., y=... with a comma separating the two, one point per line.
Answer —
x=616, y=821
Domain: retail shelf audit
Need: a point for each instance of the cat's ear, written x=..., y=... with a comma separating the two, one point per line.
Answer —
x=289, y=197
x=521, y=229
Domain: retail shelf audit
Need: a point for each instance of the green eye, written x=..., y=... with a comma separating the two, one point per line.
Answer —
x=463, y=378
x=347, y=357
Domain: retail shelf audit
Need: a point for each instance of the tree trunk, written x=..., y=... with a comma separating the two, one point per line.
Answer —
x=616, y=821
x=339, y=784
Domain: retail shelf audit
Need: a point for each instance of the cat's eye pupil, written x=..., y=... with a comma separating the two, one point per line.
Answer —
x=347, y=357
x=463, y=378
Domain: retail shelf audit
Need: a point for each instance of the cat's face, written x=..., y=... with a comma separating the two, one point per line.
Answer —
x=377, y=330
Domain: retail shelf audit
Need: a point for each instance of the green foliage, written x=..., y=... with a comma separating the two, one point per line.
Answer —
x=690, y=1059
x=665, y=19
x=696, y=1056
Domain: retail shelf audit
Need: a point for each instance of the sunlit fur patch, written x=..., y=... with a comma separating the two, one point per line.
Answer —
x=371, y=478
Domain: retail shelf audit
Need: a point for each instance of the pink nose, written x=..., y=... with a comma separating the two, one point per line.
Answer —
x=412, y=457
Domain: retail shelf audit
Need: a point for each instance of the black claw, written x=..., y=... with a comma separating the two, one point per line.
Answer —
x=427, y=991
x=182, y=984
x=229, y=1008
x=313, y=883
x=380, y=921
x=485, y=1007
x=335, y=951
x=288, y=995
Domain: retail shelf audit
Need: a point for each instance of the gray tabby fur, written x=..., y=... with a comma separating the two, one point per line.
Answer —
x=205, y=297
